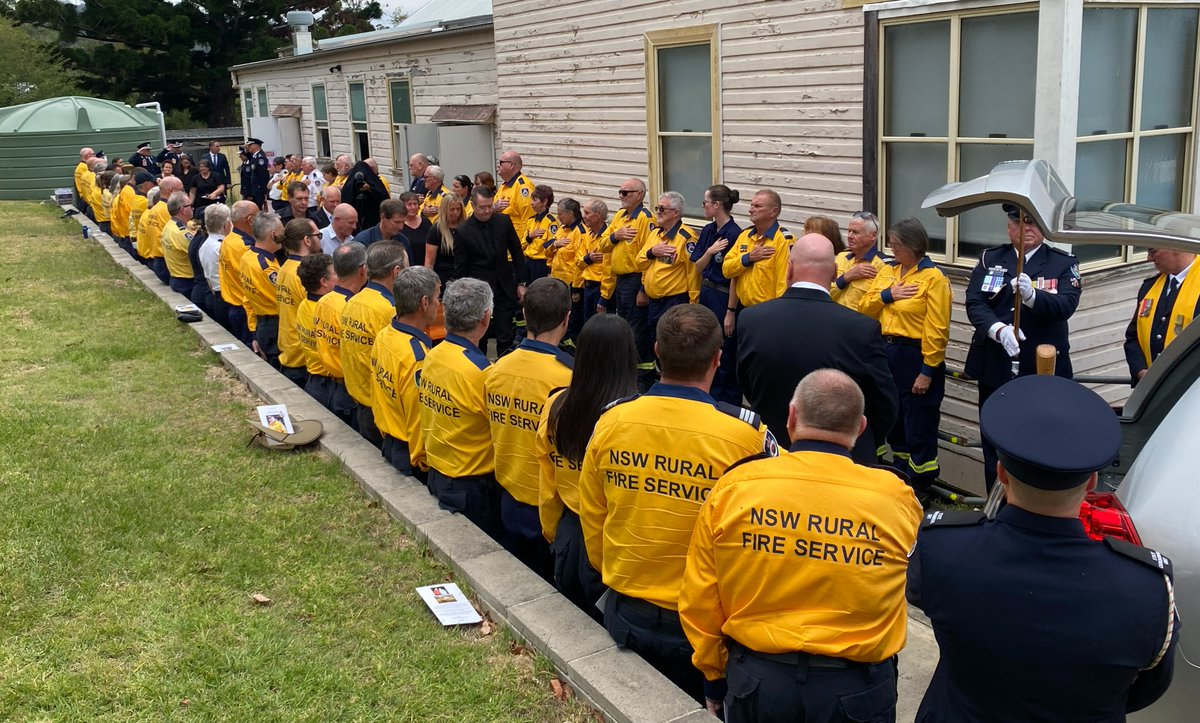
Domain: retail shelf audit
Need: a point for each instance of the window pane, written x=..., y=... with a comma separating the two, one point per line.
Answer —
x=364, y=145
x=401, y=102
x=916, y=83
x=263, y=110
x=685, y=89
x=1100, y=176
x=913, y=170
x=323, y=142
x=983, y=227
x=1160, y=172
x=358, y=104
x=992, y=104
x=687, y=169
x=249, y=96
x=1106, y=70
x=1167, y=80
x=320, y=112
x=1100, y=170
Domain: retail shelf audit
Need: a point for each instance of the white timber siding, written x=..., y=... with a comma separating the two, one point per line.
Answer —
x=451, y=69
x=573, y=95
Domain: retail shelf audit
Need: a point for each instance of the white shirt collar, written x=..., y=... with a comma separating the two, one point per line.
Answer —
x=1179, y=277
x=810, y=285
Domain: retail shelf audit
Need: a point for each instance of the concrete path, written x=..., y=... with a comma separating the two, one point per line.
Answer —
x=617, y=682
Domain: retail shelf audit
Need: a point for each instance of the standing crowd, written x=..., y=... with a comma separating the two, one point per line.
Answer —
x=604, y=443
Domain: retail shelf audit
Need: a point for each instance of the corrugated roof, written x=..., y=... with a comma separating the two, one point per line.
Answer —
x=430, y=16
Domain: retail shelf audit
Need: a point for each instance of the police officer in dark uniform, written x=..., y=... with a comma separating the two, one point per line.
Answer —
x=1050, y=287
x=143, y=159
x=170, y=153
x=244, y=173
x=259, y=172
x=1035, y=620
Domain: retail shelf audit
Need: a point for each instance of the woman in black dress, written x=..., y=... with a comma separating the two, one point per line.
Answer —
x=206, y=188
x=186, y=170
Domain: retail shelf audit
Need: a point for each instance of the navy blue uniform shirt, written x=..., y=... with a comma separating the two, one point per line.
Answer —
x=709, y=235
x=1038, y=622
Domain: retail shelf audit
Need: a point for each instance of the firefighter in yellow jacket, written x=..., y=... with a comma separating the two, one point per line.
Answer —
x=651, y=463
x=329, y=387
x=794, y=586
x=396, y=362
x=364, y=315
x=595, y=259
x=668, y=274
x=758, y=259
x=858, y=265
x=911, y=299
x=454, y=413
x=516, y=391
x=627, y=234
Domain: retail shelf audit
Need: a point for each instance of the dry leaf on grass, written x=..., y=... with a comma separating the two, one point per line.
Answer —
x=260, y=599
x=517, y=649
x=486, y=628
x=562, y=691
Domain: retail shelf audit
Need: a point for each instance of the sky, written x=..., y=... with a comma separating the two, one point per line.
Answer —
x=407, y=6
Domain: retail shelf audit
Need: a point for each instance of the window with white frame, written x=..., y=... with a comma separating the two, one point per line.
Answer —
x=263, y=109
x=401, y=108
x=321, y=120
x=682, y=113
x=248, y=98
x=947, y=114
x=358, y=120
x=1137, y=110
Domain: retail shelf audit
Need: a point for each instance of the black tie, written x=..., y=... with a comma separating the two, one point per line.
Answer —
x=1168, y=302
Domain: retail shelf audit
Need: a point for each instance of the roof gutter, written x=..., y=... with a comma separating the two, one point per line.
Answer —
x=463, y=25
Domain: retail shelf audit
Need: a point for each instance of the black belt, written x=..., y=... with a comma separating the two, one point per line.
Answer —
x=645, y=607
x=902, y=340
x=714, y=286
x=800, y=658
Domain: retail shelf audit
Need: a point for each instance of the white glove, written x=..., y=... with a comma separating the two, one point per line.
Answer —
x=1009, y=340
x=1027, y=290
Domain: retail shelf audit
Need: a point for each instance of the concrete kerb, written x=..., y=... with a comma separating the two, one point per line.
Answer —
x=618, y=683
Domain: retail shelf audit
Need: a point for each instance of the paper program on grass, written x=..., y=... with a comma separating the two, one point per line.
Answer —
x=219, y=348
x=449, y=605
x=275, y=416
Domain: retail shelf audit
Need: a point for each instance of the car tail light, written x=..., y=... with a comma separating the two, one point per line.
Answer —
x=1103, y=516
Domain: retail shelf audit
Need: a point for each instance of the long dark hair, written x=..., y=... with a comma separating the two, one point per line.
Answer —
x=606, y=361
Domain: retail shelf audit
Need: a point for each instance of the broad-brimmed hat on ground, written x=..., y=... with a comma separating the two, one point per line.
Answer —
x=305, y=432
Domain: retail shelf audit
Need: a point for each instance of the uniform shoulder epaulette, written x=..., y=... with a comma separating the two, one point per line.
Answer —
x=552, y=218
x=1061, y=252
x=891, y=262
x=687, y=232
x=744, y=460
x=1144, y=555
x=478, y=358
x=952, y=518
x=622, y=400
x=643, y=211
x=746, y=415
x=417, y=349
x=787, y=235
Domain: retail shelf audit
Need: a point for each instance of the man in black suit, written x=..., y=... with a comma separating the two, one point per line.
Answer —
x=1050, y=287
x=298, y=205
x=781, y=341
x=219, y=163
x=486, y=242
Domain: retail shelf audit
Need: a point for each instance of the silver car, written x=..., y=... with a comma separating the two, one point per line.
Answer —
x=1157, y=488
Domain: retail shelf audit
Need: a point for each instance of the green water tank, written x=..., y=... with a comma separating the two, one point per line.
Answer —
x=40, y=141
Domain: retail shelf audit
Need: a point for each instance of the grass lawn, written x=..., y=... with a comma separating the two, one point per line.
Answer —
x=135, y=524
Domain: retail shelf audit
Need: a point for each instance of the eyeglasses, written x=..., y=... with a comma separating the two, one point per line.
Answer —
x=663, y=209
x=501, y=163
x=313, y=235
x=1017, y=219
x=623, y=193
x=864, y=215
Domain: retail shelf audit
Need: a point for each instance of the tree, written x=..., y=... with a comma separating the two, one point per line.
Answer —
x=178, y=53
x=29, y=69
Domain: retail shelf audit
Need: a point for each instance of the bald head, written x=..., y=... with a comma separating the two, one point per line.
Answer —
x=812, y=260
x=86, y=153
x=827, y=406
x=509, y=165
x=345, y=220
x=170, y=185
